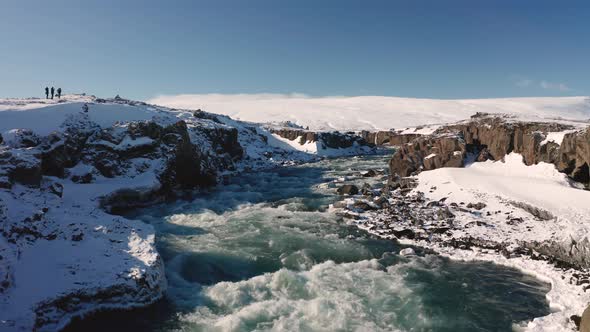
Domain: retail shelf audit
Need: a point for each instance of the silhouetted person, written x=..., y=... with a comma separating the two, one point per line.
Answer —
x=46, y=93
x=58, y=93
x=52, y=92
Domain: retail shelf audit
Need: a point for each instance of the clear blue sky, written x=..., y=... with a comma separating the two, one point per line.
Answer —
x=438, y=49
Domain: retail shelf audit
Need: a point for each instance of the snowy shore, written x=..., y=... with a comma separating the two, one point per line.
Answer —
x=477, y=213
x=65, y=164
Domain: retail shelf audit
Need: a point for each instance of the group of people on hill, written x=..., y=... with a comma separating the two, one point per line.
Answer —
x=52, y=92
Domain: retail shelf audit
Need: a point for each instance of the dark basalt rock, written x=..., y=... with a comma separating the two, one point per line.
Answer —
x=476, y=206
x=24, y=138
x=405, y=233
x=333, y=140
x=23, y=167
x=388, y=137
x=348, y=189
x=491, y=138
x=207, y=116
x=57, y=189
x=426, y=153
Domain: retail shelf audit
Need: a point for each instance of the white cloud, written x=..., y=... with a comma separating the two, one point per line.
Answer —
x=553, y=86
x=524, y=82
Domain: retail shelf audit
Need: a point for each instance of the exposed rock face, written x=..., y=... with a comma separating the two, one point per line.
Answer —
x=426, y=153
x=493, y=137
x=333, y=140
x=294, y=133
x=112, y=152
x=500, y=137
x=574, y=155
x=585, y=322
x=388, y=137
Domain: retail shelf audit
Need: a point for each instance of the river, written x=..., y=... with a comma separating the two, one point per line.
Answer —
x=263, y=253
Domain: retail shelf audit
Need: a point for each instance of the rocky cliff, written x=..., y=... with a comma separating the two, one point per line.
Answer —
x=389, y=137
x=333, y=139
x=489, y=137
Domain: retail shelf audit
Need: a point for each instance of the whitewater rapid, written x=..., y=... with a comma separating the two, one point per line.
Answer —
x=264, y=253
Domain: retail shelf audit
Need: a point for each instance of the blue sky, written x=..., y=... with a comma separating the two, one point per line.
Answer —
x=433, y=49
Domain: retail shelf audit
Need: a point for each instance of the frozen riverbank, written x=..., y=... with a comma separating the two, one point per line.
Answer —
x=492, y=211
x=266, y=253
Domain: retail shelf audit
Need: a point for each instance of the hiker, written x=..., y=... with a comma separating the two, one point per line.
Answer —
x=52, y=92
x=46, y=93
x=58, y=93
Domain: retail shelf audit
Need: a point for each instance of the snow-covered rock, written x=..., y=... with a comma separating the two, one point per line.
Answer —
x=66, y=164
x=491, y=136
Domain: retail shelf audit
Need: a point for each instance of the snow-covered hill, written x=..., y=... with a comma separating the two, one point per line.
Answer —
x=373, y=112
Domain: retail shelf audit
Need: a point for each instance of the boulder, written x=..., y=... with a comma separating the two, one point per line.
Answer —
x=407, y=252
x=57, y=189
x=348, y=189
x=22, y=166
x=22, y=138
x=476, y=206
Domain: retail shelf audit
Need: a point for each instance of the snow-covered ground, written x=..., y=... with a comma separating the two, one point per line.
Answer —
x=540, y=186
x=498, y=182
x=58, y=245
x=373, y=112
x=508, y=188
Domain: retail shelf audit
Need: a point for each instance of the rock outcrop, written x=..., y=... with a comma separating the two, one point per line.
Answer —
x=388, y=137
x=427, y=153
x=332, y=140
x=488, y=137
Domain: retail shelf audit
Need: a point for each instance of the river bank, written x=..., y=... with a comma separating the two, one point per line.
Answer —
x=266, y=252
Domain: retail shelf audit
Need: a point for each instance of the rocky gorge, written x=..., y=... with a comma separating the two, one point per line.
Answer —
x=65, y=184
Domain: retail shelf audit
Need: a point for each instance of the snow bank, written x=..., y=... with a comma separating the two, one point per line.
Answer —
x=373, y=112
x=44, y=116
x=496, y=183
x=556, y=137
x=499, y=183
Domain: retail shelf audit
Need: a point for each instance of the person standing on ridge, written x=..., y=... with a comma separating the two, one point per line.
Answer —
x=46, y=93
x=58, y=93
x=52, y=92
